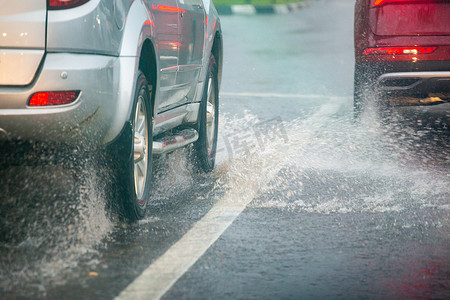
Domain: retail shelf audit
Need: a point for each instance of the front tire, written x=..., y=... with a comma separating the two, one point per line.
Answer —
x=134, y=173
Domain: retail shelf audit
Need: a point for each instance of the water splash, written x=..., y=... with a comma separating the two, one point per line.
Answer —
x=48, y=226
x=330, y=164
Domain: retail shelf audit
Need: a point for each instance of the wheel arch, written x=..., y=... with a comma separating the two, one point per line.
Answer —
x=138, y=51
x=139, y=42
x=149, y=66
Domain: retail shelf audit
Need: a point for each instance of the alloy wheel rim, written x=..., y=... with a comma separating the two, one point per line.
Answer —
x=210, y=117
x=140, y=146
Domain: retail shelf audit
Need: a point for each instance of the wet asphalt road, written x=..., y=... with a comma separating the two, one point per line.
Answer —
x=333, y=209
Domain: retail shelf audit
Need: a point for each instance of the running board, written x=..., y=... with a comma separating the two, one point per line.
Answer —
x=170, y=143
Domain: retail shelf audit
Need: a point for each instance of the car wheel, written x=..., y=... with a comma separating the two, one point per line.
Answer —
x=206, y=145
x=134, y=173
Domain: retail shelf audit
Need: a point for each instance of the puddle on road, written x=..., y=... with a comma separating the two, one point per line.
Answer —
x=326, y=163
x=322, y=163
x=374, y=191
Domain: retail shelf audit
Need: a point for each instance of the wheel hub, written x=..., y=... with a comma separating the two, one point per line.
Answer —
x=140, y=146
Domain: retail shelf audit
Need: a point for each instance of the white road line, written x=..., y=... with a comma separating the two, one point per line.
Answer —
x=276, y=95
x=159, y=277
x=162, y=274
x=243, y=187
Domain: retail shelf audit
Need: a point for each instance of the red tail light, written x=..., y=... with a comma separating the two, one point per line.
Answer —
x=53, y=98
x=63, y=4
x=399, y=50
x=381, y=2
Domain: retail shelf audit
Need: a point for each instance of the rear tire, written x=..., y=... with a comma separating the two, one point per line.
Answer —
x=204, y=149
x=134, y=170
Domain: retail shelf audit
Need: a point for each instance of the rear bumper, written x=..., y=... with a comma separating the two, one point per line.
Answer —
x=95, y=118
x=419, y=79
x=415, y=83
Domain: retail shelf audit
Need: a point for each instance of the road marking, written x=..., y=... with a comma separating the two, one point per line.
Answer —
x=243, y=187
x=276, y=95
x=160, y=276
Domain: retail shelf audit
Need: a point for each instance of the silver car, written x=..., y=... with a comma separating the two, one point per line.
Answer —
x=131, y=78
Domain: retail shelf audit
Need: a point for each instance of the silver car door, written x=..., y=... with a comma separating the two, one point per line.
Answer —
x=192, y=38
x=166, y=18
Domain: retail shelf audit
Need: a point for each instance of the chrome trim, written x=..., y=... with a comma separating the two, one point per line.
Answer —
x=421, y=77
x=172, y=142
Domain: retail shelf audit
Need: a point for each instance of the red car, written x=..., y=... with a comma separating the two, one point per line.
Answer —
x=402, y=54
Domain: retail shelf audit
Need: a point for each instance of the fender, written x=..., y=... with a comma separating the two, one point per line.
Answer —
x=138, y=28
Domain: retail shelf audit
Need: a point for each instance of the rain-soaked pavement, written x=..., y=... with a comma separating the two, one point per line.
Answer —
x=330, y=208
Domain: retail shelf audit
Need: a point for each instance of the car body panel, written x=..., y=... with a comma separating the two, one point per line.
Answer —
x=22, y=40
x=67, y=32
x=92, y=74
x=18, y=67
x=411, y=19
x=399, y=27
x=192, y=33
x=167, y=35
x=103, y=66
